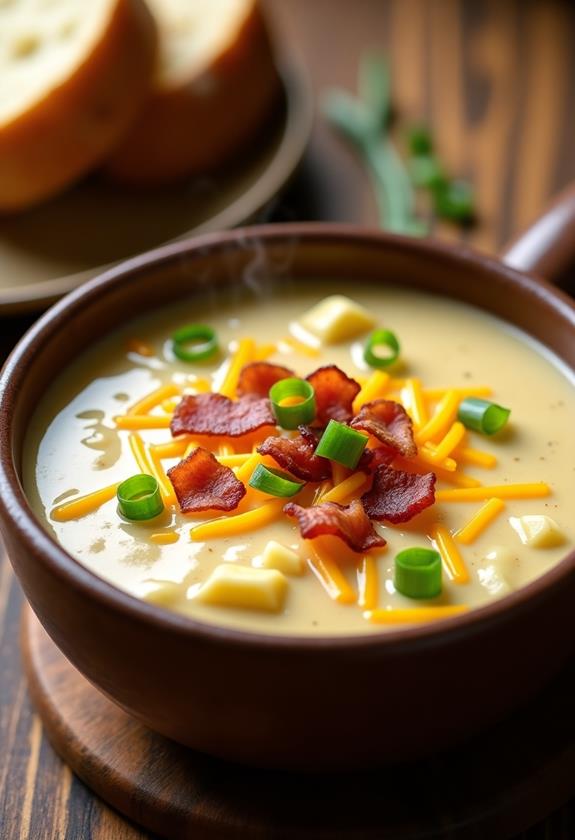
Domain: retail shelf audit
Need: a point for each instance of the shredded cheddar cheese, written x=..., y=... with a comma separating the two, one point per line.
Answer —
x=137, y=422
x=442, y=418
x=236, y=460
x=240, y=524
x=427, y=454
x=174, y=449
x=537, y=490
x=150, y=401
x=446, y=446
x=264, y=351
x=200, y=385
x=413, y=398
x=475, y=457
x=140, y=454
x=345, y=488
x=320, y=492
x=478, y=523
x=374, y=388
x=165, y=537
x=414, y=615
x=84, y=505
x=243, y=356
x=339, y=473
x=166, y=488
x=367, y=583
x=247, y=468
x=330, y=576
x=452, y=560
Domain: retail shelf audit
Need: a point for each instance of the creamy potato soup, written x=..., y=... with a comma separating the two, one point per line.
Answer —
x=493, y=511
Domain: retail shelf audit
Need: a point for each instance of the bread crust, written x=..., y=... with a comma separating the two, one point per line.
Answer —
x=76, y=124
x=196, y=125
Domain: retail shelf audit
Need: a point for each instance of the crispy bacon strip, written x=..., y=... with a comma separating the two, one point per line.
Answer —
x=214, y=414
x=349, y=523
x=257, y=378
x=202, y=483
x=371, y=459
x=398, y=496
x=334, y=394
x=296, y=455
x=389, y=422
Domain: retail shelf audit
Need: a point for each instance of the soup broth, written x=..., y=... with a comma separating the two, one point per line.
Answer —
x=75, y=446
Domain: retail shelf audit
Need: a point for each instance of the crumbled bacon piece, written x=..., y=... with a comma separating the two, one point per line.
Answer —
x=296, y=455
x=202, y=483
x=257, y=378
x=371, y=459
x=389, y=422
x=398, y=496
x=349, y=523
x=334, y=394
x=214, y=414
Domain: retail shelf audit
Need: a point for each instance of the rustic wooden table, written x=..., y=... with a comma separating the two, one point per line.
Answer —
x=496, y=81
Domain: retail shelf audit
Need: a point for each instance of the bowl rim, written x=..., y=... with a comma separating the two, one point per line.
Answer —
x=16, y=511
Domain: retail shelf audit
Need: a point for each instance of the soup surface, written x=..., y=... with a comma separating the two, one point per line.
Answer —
x=76, y=445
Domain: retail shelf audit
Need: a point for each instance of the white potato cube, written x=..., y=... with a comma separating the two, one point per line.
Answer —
x=164, y=593
x=538, y=531
x=231, y=585
x=282, y=558
x=336, y=318
x=493, y=580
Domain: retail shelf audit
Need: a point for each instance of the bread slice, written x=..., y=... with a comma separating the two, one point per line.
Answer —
x=215, y=83
x=73, y=74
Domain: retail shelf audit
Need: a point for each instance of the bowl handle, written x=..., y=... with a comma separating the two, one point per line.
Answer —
x=547, y=248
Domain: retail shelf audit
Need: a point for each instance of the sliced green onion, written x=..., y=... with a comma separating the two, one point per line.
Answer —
x=274, y=482
x=195, y=343
x=380, y=339
x=292, y=416
x=342, y=444
x=418, y=573
x=482, y=416
x=139, y=497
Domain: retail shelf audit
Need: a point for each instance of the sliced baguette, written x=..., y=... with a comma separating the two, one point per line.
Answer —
x=215, y=83
x=74, y=75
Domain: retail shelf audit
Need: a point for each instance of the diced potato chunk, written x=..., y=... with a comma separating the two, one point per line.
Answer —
x=161, y=592
x=336, y=318
x=538, y=531
x=282, y=558
x=231, y=585
x=493, y=580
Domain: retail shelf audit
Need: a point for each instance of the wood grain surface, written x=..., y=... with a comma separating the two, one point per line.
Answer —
x=187, y=796
x=496, y=81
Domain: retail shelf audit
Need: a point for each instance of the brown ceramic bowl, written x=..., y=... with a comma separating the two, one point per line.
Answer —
x=304, y=703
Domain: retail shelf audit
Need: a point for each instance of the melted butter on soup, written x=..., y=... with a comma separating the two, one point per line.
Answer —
x=73, y=448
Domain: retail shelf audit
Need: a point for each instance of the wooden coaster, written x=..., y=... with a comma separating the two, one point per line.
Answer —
x=494, y=787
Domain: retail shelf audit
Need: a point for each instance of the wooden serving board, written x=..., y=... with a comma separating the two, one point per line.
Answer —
x=493, y=787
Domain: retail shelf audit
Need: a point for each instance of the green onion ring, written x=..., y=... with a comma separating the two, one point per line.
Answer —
x=139, y=497
x=274, y=482
x=381, y=338
x=417, y=573
x=482, y=415
x=292, y=416
x=342, y=444
x=195, y=343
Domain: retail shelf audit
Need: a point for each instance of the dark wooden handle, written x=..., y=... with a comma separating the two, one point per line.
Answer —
x=547, y=248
